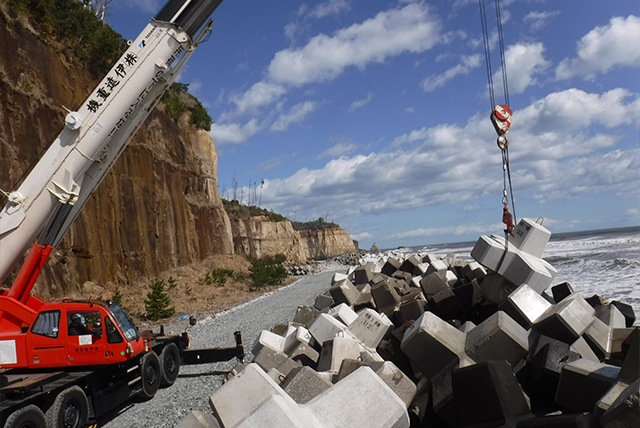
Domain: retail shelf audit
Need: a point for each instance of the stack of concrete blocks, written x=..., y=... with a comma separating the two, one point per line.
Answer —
x=458, y=343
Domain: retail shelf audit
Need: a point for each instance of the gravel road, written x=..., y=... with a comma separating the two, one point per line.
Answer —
x=196, y=383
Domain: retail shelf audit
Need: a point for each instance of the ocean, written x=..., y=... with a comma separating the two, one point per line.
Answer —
x=603, y=262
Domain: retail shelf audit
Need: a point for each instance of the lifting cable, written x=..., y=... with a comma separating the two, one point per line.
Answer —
x=501, y=115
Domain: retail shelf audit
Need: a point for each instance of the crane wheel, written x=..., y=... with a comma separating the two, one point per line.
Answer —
x=150, y=368
x=28, y=417
x=69, y=410
x=169, y=364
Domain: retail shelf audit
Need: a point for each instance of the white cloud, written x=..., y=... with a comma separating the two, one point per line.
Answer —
x=151, y=6
x=604, y=48
x=261, y=94
x=233, y=133
x=409, y=110
x=437, y=81
x=360, y=103
x=450, y=230
x=361, y=236
x=539, y=20
x=331, y=7
x=295, y=115
x=389, y=33
x=555, y=152
x=524, y=62
x=340, y=149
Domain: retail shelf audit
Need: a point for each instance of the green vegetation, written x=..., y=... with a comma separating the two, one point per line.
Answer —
x=117, y=297
x=268, y=271
x=177, y=100
x=157, y=302
x=244, y=212
x=314, y=225
x=93, y=42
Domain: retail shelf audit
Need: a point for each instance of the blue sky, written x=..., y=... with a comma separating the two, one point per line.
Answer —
x=375, y=114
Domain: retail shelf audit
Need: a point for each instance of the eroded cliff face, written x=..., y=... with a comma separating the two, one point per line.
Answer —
x=258, y=237
x=159, y=206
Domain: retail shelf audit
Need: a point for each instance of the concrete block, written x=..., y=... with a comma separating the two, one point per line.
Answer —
x=450, y=278
x=413, y=309
x=323, y=301
x=198, y=419
x=365, y=299
x=325, y=327
x=627, y=311
x=439, y=267
x=630, y=370
x=469, y=294
x=599, y=337
x=582, y=420
x=514, y=265
x=339, y=277
x=428, y=258
x=297, y=336
x=595, y=301
x=525, y=305
x=499, y=337
x=410, y=265
x=566, y=320
x=305, y=354
x=349, y=366
x=392, y=264
x=433, y=344
x=451, y=259
x=268, y=358
x=405, y=277
x=582, y=383
x=370, y=327
x=277, y=376
x=620, y=336
x=467, y=327
x=622, y=409
x=474, y=270
x=305, y=315
x=446, y=305
x=495, y=288
x=397, y=381
x=362, y=275
x=611, y=316
x=268, y=339
x=304, y=384
x=243, y=394
x=546, y=359
x=385, y=295
x=343, y=313
x=581, y=347
x=336, y=350
x=281, y=412
x=561, y=291
x=530, y=237
x=344, y=292
x=342, y=405
x=432, y=284
x=487, y=392
x=422, y=269
x=401, y=285
x=415, y=281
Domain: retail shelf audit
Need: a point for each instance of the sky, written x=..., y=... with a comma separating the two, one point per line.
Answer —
x=376, y=114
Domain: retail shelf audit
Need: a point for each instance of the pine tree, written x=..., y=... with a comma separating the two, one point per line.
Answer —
x=157, y=302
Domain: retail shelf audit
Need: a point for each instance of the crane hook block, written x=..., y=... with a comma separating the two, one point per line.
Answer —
x=501, y=118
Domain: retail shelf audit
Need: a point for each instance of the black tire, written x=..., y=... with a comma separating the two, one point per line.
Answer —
x=169, y=364
x=28, y=417
x=69, y=410
x=150, y=375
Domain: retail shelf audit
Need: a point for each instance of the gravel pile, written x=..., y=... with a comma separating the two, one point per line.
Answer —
x=196, y=383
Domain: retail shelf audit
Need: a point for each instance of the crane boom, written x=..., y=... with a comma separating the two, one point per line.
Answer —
x=56, y=190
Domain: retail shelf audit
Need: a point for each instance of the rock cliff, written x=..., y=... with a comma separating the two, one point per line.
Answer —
x=258, y=237
x=158, y=208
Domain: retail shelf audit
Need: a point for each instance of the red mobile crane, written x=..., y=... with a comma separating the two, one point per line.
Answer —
x=67, y=362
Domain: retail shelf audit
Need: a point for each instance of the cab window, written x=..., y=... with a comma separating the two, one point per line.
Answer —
x=113, y=335
x=47, y=324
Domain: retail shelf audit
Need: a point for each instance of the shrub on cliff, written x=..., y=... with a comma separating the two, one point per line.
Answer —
x=235, y=210
x=177, y=100
x=93, y=42
x=268, y=271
